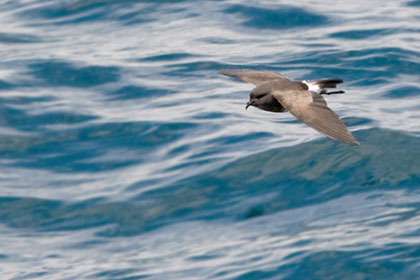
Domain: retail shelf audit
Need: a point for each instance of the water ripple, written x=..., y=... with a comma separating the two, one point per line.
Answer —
x=281, y=18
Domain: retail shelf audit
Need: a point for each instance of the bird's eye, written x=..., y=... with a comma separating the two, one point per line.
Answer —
x=259, y=96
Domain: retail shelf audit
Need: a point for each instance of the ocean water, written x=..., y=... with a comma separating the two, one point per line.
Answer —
x=125, y=155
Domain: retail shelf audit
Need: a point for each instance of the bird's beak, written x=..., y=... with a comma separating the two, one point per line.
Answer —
x=247, y=105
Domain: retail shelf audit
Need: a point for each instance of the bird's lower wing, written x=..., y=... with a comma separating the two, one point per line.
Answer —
x=255, y=77
x=312, y=109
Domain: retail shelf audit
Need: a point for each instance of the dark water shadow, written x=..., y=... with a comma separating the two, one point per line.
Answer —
x=360, y=34
x=61, y=73
x=18, y=38
x=283, y=17
x=401, y=92
x=292, y=177
x=415, y=3
x=85, y=11
x=18, y=119
x=346, y=265
x=91, y=148
x=167, y=57
x=297, y=175
x=6, y=85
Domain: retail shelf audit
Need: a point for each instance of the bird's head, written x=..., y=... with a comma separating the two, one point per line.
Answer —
x=257, y=99
x=258, y=96
x=262, y=98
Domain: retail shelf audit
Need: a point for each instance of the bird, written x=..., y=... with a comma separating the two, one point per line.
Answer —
x=274, y=92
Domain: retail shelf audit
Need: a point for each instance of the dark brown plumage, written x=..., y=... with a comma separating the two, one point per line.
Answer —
x=274, y=92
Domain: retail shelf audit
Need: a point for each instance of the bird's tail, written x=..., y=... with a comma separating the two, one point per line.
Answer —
x=327, y=83
x=321, y=86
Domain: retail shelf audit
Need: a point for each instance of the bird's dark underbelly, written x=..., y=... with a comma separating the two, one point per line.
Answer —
x=273, y=106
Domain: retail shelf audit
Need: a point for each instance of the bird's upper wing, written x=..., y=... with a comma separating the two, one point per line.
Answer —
x=255, y=77
x=311, y=108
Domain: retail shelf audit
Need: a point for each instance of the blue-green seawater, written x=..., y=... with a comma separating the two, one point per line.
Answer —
x=125, y=155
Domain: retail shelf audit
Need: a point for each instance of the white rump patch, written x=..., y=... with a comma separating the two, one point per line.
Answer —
x=312, y=87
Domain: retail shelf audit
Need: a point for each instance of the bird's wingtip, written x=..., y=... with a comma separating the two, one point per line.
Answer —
x=354, y=142
x=225, y=72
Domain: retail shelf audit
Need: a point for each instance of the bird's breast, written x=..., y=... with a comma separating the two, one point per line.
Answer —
x=271, y=104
